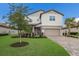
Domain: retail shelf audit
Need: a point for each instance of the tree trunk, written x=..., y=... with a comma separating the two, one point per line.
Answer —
x=69, y=31
x=20, y=37
x=19, y=34
x=78, y=32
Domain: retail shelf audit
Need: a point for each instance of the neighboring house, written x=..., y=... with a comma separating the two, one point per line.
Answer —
x=48, y=23
x=65, y=30
x=4, y=29
x=73, y=29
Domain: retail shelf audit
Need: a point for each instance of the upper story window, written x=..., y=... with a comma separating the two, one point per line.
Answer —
x=52, y=18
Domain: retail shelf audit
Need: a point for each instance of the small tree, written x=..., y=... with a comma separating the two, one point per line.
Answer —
x=69, y=23
x=16, y=17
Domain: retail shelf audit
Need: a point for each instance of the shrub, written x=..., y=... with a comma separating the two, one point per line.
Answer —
x=73, y=33
x=3, y=34
x=29, y=35
x=39, y=36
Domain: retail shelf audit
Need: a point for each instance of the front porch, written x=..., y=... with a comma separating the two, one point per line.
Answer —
x=36, y=30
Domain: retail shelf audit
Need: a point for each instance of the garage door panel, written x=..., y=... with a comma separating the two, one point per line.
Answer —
x=52, y=32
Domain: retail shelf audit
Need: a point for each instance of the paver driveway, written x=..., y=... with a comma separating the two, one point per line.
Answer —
x=70, y=44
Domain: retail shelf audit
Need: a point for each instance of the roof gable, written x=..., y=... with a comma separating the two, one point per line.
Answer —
x=36, y=12
x=53, y=11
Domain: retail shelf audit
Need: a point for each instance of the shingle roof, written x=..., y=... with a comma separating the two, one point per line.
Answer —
x=36, y=12
x=47, y=11
x=4, y=26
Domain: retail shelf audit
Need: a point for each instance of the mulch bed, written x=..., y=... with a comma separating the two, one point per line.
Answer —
x=18, y=44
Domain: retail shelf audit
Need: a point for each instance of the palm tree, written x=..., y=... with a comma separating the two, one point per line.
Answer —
x=69, y=23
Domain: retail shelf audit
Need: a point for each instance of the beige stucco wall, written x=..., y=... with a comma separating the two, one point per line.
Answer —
x=46, y=20
x=35, y=17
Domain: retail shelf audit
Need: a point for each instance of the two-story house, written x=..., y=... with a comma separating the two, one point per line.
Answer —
x=48, y=23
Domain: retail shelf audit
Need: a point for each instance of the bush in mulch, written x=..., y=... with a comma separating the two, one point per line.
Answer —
x=18, y=44
x=34, y=36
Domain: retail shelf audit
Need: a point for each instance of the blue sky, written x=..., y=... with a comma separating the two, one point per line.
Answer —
x=68, y=9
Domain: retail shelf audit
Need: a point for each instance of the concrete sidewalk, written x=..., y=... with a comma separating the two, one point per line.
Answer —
x=70, y=44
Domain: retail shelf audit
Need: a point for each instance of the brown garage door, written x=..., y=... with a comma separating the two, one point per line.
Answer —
x=52, y=32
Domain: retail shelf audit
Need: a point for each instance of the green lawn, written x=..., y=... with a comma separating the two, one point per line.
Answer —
x=36, y=47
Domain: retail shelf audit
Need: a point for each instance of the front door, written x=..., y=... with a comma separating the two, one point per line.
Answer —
x=37, y=30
